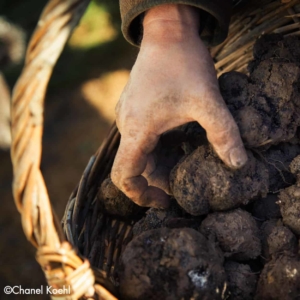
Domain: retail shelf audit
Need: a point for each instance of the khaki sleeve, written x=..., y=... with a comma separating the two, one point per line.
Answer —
x=214, y=18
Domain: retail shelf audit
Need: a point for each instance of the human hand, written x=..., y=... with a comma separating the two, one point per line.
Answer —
x=172, y=82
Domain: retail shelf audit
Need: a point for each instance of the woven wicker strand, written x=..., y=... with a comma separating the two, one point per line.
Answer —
x=60, y=263
x=249, y=24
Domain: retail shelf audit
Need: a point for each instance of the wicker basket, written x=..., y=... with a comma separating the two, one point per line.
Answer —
x=94, y=235
x=101, y=238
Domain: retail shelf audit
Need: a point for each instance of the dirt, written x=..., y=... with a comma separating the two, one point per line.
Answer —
x=236, y=232
x=280, y=279
x=172, y=264
x=278, y=159
x=241, y=281
x=201, y=182
x=295, y=166
x=174, y=217
x=266, y=208
x=115, y=203
x=274, y=46
x=157, y=218
x=277, y=240
x=289, y=202
x=265, y=104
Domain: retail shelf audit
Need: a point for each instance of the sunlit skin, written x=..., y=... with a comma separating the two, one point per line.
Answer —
x=172, y=82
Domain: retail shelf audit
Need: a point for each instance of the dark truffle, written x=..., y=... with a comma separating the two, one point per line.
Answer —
x=236, y=232
x=201, y=182
x=115, y=202
x=277, y=47
x=171, y=264
x=295, y=166
x=278, y=159
x=280, y=279
x=241, y=281
x=289, y=202
x=157, y=218
x=277, y=239
x=265, y=104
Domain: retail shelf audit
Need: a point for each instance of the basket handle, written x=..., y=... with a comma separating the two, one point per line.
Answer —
x=60, y=263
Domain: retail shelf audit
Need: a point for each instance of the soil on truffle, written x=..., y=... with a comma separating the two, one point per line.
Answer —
x=157, y=218
x=265, y=105
x=289, y=202
x=295, y=167
x=236, y=233
x=241, y=281
x=276, y=47
x=173, y=217
x=277, y=240
x=280, y=279
x=278, y=159
x=201, y=182
x=172, y=264
x=116, y=202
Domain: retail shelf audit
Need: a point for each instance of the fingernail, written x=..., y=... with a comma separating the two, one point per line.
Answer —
x=238, y=157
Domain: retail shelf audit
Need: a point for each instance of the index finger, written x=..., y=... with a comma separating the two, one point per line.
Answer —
x=130, y=163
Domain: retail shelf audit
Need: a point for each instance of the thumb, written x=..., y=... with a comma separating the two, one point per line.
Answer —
x=222, y=131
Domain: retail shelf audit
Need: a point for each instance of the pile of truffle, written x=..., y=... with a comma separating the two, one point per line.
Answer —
x=229, y=234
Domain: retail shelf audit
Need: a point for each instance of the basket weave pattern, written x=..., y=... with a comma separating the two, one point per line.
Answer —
x=248, y=24
x=61, y=264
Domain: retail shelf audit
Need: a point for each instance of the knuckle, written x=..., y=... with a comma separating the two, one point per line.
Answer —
x=126, y=186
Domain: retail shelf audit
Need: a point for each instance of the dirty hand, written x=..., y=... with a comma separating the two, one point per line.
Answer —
x=172, y=82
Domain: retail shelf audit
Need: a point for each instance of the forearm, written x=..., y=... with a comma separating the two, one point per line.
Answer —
x=215, y=16
x=171, y=22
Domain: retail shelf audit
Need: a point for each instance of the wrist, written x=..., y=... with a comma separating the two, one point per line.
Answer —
x=171, y=22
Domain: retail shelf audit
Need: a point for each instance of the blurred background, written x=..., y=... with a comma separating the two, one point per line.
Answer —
x=79, y=110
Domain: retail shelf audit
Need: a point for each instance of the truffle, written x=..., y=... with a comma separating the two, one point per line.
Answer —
x=115, y=202
x=202, y=182
x=241, y=281
x=172, y=264
x=289, y=202
x=279, y=279
x=236, y=232
x=277, y=239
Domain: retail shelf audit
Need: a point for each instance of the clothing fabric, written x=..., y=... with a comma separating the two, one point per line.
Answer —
x=214, y=17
